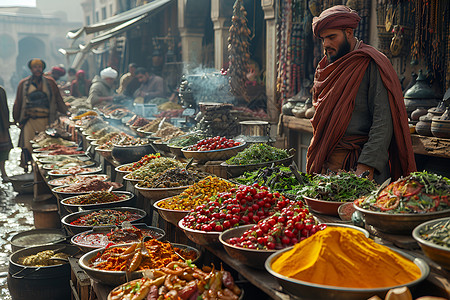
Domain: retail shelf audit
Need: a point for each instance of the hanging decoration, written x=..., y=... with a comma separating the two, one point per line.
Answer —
x=238, y=50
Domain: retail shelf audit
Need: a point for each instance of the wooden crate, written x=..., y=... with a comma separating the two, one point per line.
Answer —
x=80, y=283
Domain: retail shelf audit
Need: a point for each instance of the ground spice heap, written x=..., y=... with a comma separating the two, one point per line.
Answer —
x=344, y=257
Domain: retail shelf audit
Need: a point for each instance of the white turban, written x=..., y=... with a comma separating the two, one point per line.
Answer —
x=108, y=73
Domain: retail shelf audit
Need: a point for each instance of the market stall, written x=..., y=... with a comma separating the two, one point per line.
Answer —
x=259, y=205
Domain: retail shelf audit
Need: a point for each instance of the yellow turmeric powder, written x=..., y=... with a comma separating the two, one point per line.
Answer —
x=344, y=257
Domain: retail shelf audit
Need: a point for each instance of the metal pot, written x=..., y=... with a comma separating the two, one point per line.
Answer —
x=39, y=283
x=128, y=154
x=420, y=95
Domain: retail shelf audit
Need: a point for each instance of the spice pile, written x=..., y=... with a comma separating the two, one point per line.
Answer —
x=175, y=177
x=180, y=280
x=153, y=167
x=142, y=162
x=115, y=236
x=88, y=185
x=95, y=198
x=330, y=253
x=200, y=193
x=42, y=259
x=340, y=187
x=130, y=258
x=420, y=192
x=154, y=125
x=106, y=217
x=185, y=140
x=258, y=153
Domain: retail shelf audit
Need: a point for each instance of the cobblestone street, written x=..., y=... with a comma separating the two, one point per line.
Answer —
x=15, y=210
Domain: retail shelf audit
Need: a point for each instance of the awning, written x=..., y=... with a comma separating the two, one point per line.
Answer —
x=116, y=30
x=119, y=19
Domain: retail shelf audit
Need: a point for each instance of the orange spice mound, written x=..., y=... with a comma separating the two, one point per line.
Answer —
x=344, y=257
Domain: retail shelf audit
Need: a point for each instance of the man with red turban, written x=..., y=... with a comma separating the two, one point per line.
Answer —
x=360, y=121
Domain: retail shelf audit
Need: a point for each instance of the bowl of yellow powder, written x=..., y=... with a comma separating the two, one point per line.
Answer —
x=342, y=263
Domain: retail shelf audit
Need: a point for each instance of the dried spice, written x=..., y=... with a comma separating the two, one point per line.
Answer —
x=175, y=177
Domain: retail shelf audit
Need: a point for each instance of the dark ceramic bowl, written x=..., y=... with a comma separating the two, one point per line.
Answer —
x=128, y=154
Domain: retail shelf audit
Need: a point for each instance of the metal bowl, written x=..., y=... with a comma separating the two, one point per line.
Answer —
x=253, y=257
x=238, y=170
x=161, y=146
x=200, y=237
x=118, y=169
x=117, y=277
x=54, y=182
x=128, y=154
x=398, y=223
x=310, y=290
x=134, y=181
x=322, y=206
x=103, y=152
x=437, y=253
x=75, y=229
x=176, y=151
x=220, y=154
x=57, y=190
x=170, y=215
x=72, y=208
x=107, y=229
x=37, y=237
x=155, y=194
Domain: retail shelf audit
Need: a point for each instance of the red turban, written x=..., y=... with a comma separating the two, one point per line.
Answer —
x=58, y=71
x=336, y=17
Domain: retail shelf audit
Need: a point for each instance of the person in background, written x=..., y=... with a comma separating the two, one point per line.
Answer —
x=360, y=121
x=102, y=88
x=71, y=75
x=152, y=86
x=80, y=85
x=128, y=82
x=57, y=72
x=5, y=138
x=37, y=102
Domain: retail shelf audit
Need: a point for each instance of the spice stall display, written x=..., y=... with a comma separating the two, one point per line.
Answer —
x=322, y=259
x=142, y=162
x=175, y=177
x=186, y=282
x=154, y=166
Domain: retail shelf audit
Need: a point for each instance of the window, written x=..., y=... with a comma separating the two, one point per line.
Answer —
x=97, y=17
x=103, y=13
x=110, y=10
x=88, y=20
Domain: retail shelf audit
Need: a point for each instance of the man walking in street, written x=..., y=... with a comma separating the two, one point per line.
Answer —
x=37, y=102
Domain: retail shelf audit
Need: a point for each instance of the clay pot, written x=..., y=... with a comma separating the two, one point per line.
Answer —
x=310, y=112
x=423, y=127
x=299, y=110
x=420, y=111
x=420, y=95
x=440, y=126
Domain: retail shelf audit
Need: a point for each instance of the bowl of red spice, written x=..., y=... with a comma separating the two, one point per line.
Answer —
x=217, y=148
x=94, y=200
x=87, y=219
x=84, y=187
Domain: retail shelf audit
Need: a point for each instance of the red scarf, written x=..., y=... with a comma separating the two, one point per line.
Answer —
x=335, y=88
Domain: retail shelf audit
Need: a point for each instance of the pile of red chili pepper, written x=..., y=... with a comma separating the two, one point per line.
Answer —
x=291, y=225
x=96, y=198
x=242, y=206
x=214, y=143
x=106, y=217
x=420, y=192
x=136, y=165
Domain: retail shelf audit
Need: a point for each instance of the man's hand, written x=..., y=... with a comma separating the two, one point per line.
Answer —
x=361, y=168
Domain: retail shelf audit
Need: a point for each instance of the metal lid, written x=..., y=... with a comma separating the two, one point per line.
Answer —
x=37, y=237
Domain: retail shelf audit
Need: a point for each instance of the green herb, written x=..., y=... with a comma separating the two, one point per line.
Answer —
x=341, y=187
x=438, y=233
x=258, y=153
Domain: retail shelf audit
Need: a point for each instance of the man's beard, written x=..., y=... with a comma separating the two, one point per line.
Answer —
x=343, y=50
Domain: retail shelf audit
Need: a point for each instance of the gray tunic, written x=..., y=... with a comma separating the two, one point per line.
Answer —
x=372, y=117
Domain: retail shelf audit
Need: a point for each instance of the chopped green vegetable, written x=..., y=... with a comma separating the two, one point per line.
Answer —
x=258, y=153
